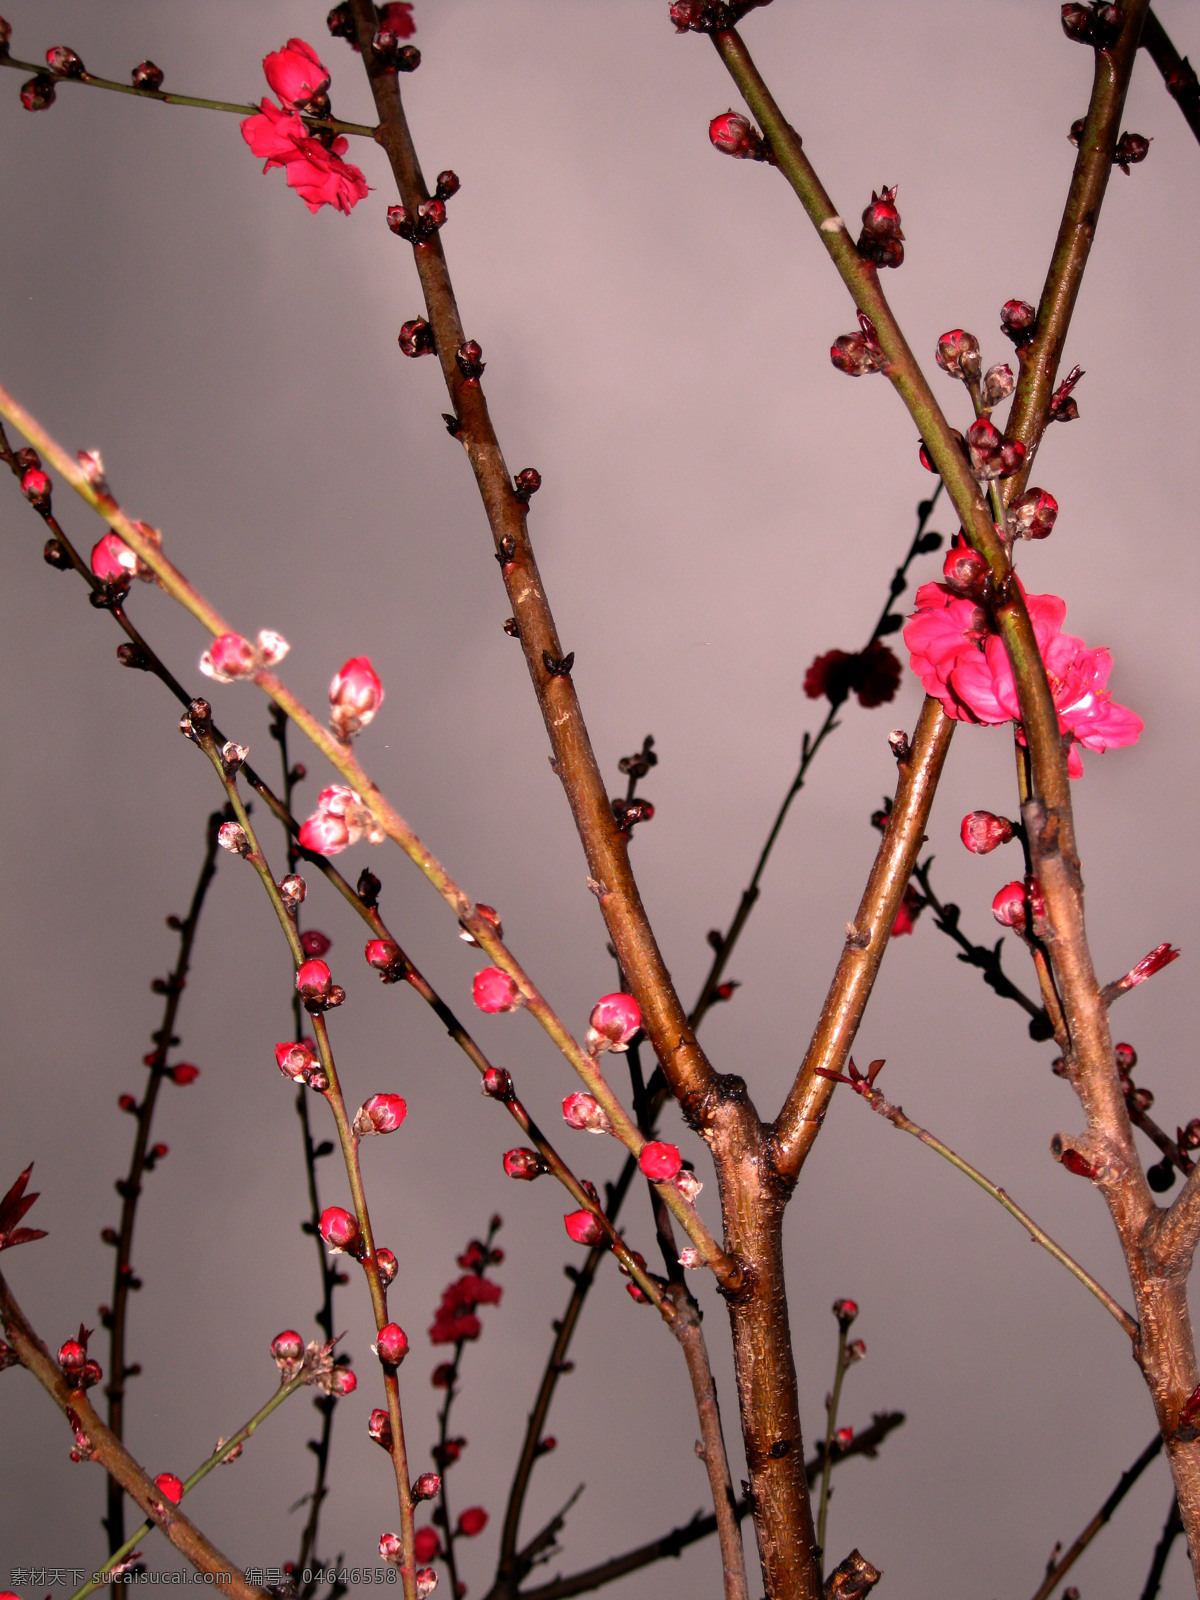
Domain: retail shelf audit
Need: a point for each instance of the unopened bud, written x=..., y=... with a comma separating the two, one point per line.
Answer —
x=382, y=1113
x=527, y=483
x=614, y=1020
x=1074, y=1160
x=998, y=384
x=233, y=755
x=584, y=1227
x=982, y=832
x=690, y=1257
x=497, y=1083
x=881, y=217
x=292, y=890
x=493, y=991
x=38, y=93
x=659, y=1161
x=60, y=58
x=1131, y=148
x=1126, y=1057
x=991, y=455
x=229, y=657
x=487, y=914
x=382, y=954
x=735, y=135
x=416, y=338
x=898, y=744
x=35, y=486
x=584, y=1112
x=287, y=1349
x=72, y=1357
x=688, y=1184
x=427, y=1582
x=391, y=1344
x=1018, y=320
x=340, y=1231
x=1033, y=515
x=845, y=1311
x=855, y=1351
x=958, y=354
x=146, y=76
x=448, y=185
x=385, y=1260
x=469, y=358
x=964, y=570
x=379, y=1426
x=314, y=983
x=1010, y=905
x=523, y=1164
x=231, y=836
x=427, y=1487
x=355, y=695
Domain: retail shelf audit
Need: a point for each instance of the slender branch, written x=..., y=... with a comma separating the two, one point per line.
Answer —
x=130, y=1187
x=227, y=1450
x=831, y=1411
x=106, y=1449
x=1172, y=1528
x=895, y=1115
x=1178, y=73
x=723, y=945
x=1125, y=1482
x=166, y=97
x=605, y=846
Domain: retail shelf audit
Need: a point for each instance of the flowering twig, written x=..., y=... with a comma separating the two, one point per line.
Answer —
x=1057, y=1570
x=130, y=1188
x=94, y=1441
x=865, y=1086
x=1178, y=73
x=723, y=944
x=227, y=1450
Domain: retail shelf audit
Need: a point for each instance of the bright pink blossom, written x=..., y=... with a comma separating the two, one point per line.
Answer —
x=494, y=990
x=170, y=1487
x=659, y=1161
x=295, y=73
x=277, y=136
x=965, y=665
x=355, y=695
x=319, y=176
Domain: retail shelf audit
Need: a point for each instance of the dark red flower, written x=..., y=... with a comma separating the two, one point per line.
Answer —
x=873, y=674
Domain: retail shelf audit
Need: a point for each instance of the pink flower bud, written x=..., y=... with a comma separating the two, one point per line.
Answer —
x=1018, y=319
x=314, y=981
x=35, y=486
x=982, y=832
x=183, y=1073
x=958, y=354
x=855, y=1351
x=735, y=135
x=1032, y=516
x=584, y=1227
x=523, y=1164
x=315, y=943
x=472, y=1521
x=146, y=76
x=382, y=954
x=494, y=990
x=295, y=74
x=385, y=1260
x=127, y=1103
x=659, y=1162
x=231, y=836
x=688, y=1184
x=991, y=455
x=296, y=1061
x=112, y=559
x=427, y=1545
x=382, y=1113
x=844, y=1437
x=964, y=570
x=851, y=354
x=391, y=1549
x=582, y=1111
x=690, y=1257
x=72, y=1357
x=427, y=1487
x=845, y=1311
x=487, y=914
x=228, y=657
x=497, y=1084
x=998, y=384
x=287, y=1348
x=339, y=1229
x=324, y=834
x=391, y=1344
x=379, y=1426
x=427, y=1582
x=272, y=647
x=170, y=1487
x=355, y=695
x=1009, y=906
x=342, y=1382
x=416, y=338
x=61, y=58
x=881, y=218
x=613, y=1022
x=1126, y=1057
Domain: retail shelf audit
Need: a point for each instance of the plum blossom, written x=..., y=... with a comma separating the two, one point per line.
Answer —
x=964, y=664
x=340, y=820
x=295, y=73
x=278, y=135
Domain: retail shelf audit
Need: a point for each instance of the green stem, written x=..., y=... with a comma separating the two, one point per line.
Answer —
x=831, y=1411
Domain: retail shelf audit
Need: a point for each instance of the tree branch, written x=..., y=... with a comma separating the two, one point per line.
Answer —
x=1178, y=73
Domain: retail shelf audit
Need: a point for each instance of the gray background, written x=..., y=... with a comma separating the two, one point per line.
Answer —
x=719, y=506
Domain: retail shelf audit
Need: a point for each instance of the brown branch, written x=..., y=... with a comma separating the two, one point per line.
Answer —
x=108, y=1451
x=606, y=848
x=1058, y=1571
x=1178, y=73
x=1172, y=1528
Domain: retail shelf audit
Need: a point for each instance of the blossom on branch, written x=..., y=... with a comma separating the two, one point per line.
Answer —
x=296, y=74
x=873, y=674
x=278, y=134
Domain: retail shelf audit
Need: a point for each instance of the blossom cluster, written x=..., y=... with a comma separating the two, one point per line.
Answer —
x=278, y=134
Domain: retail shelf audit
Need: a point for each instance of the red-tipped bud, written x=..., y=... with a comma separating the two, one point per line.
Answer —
x=147, y=76
x=72, y=1357
x=38, y=93
x=1009, y=906
x=855, y=1351
x=287, y=1348
x=497, y=1084
x=613, y=1022
x=183, y=1073
x=1018, y=320
x=170, y=1487
x=958, y=354
x=1131, y=148
x=391, y=1545
x=61, y=58
x=964, y=570
x=297, y=1061
x=1126, y=1057
x=527, y=483
x=339, y=1229
x=427, y=1487
x=382, y=954
x=355, y=695
x=416, y=338
x=113, y=560
x=523, y=1164
x=472, y=1522
x=128, y=1103
x=982, y=832
x=324, y=834
x=469, y=358
x=735, y=135
x=431, y=215
x=379, y=1427
x=1033, y=515
x=584, y=1227
x=843, y=1438
x=487, y=914
x=231, y=836
x=659, y=1162
x=391, y=1344
x=845, y=1311
x=35, y=486
x=382, y=1113
x=229, y=657
x=385, y=1260
x=494, y=991
x=881, y=218
x=853, y=355
x=1074, y=1160
x=427, y=1544
x=427, y=1582
x=585, y=1112
x=998, y=383
x=448, y=185
x=91, y=1374
x=315, y=943
x=991, y=455
x=314, y=983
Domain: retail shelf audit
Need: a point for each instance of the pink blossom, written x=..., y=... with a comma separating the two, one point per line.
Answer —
x=319, y=176
x=277, y=136
x=355, y=695
x=965, y=665
x=614, y=1020
x=295, y=73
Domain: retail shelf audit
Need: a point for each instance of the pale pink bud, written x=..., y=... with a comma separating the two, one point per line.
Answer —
x=523, y=1164
x=427, y=1487
x=613, y=1022
x=339, y=800
x=385, y=1260
x=170, y=1487
x=382, y=1113
x=1033, y=515
x=690, y=1257
x=234, y=754
x=1008, y=907
x=583, y=1111
x=427, y=1582
x=659, y=1162
x=491, y=916
x=494, y=990
x=391, y=1344
x=472, y=1521
x=112, y=559
x=735, y=135
x=584, y=1227
x=355, y=695
x=231, y=836
x=958, y=354
x=982, y=832
x=228, y=657
x=314, y=982
x=339, y=1229
x=688, y=1184
x=272, y=647
x=288, y=1350
x=998, y=384
x=391, y=1549
x=382, y=954
x=324, y=834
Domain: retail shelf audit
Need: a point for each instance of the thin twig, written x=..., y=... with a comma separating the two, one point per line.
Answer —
x=1172, y=1528
x=1125, y=1482
x=1178, y=73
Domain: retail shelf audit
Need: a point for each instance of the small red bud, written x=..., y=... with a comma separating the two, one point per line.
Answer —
x=991, y=455
x=128, y=1103
x=72, y=1357
x=982, y=832
x=314, y=943
x=112, y=560
x=448, y=184
x=1126, y=1057
x=584, y=1227
x=355, y=695
x=314, y=983
x=613, y=1022
x=845, y=1311
x=844, y=1437
x=523, y=1164
x=35, y=486
x=491, y=917
x=658, y=1161
x=527, y=483
x=856, y=1350
x=427, y=1544
x=379, y=1427
x=998, y=384
x=170, y=1487
x=1018, y=320
x=382, y=1113
x=1009, y=905
x=427, y=1580
x=416, y=338
x=1131, y=148
x=964, y=570
x=735, y=135
x=391, y=1344
x=60, y=58
x=469, y=359
x=147, y=76
x=385, y=1260
x=1074, y=1161
x=958, y=354
x=427, y=1487
x=287, y=1348
x=494, y=991
x=472, y=1521
x=339, y=1229
x=497, y=1083
x=183, y=1073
